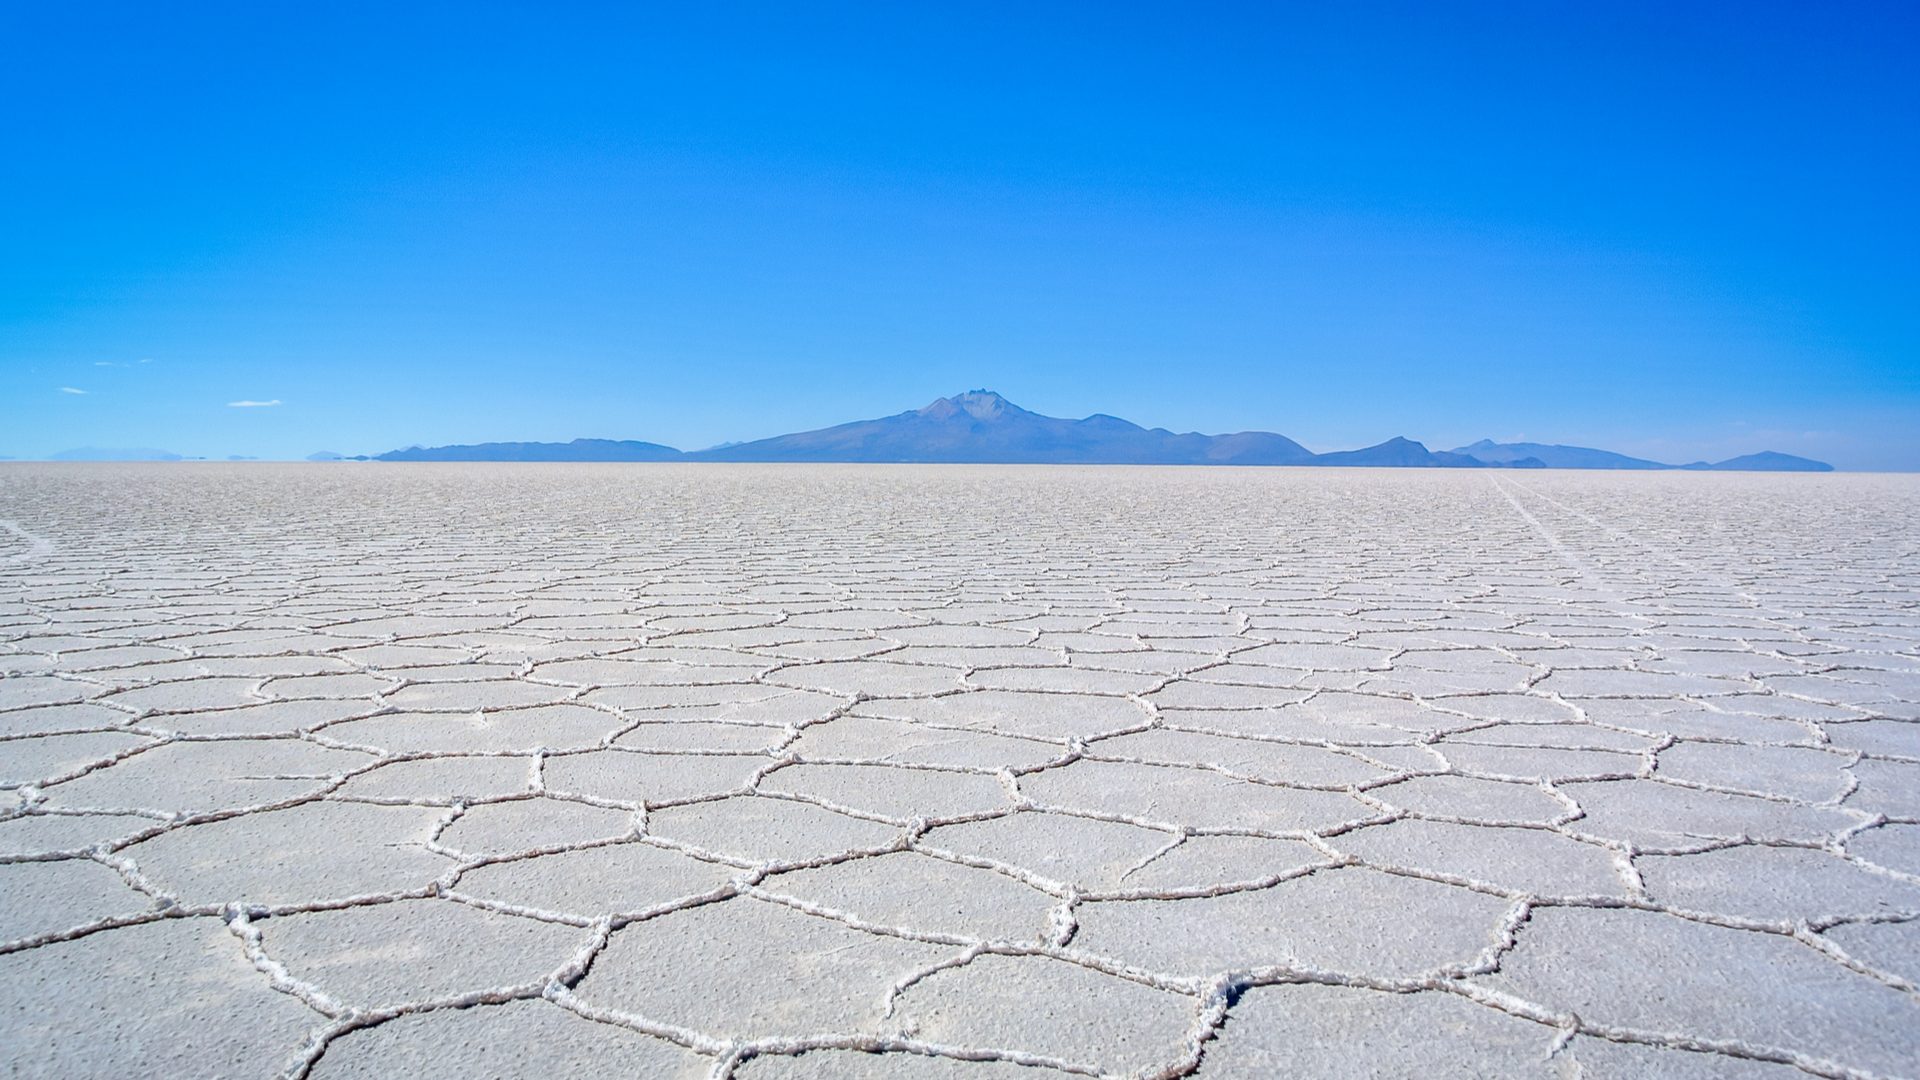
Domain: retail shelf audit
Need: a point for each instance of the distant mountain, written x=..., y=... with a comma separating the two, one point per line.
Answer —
x=1583, y=457
x=1553, y=456
x=95, y=453
x=577, y=450
x=1400, y=453
x=982, y=426
x=1770, y=461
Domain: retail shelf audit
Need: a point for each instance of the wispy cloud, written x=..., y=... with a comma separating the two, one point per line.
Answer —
x=253, y=404
x=109, y=363
x=71, y=390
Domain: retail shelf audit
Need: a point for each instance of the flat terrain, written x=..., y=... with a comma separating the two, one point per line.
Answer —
x=999, y=772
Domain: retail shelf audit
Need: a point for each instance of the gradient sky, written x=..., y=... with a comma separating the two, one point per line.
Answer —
x=1679, y=230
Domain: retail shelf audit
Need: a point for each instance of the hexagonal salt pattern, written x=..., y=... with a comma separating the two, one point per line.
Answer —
x=380, y=770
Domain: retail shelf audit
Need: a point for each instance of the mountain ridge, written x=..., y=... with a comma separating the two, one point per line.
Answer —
x=983, y=427
x=1555, y=456
x=577, y=450
x=980, y=426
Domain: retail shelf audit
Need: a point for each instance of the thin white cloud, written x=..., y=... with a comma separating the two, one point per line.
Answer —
x=71, y=390
x=108, y=363
x=253, y=404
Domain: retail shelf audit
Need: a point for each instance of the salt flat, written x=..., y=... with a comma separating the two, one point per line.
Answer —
x=766, y=771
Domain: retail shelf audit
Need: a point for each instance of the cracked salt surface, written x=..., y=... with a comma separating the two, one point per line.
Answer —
x=771, y=771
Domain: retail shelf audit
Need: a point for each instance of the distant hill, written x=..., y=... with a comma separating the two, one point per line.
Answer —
x=1554, y=456
x=1400, y=453
x=577, y=450
x=1770, y=461
x=980, y=426
x=1584, y=457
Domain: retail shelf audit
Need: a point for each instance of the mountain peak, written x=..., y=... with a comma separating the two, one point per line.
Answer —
x=979, y=404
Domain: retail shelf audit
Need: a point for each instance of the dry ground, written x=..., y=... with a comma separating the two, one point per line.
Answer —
x=765, y=771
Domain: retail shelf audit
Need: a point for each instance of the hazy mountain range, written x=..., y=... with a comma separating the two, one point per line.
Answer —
x=980, y=426
x=577, y=450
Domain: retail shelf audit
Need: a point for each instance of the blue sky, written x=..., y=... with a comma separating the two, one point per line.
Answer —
x=1682, y=230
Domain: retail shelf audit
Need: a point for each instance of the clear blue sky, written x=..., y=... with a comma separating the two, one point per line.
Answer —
x=1682, y=230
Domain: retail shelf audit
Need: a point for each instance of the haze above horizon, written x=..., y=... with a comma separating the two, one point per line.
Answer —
x=1677, y=233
